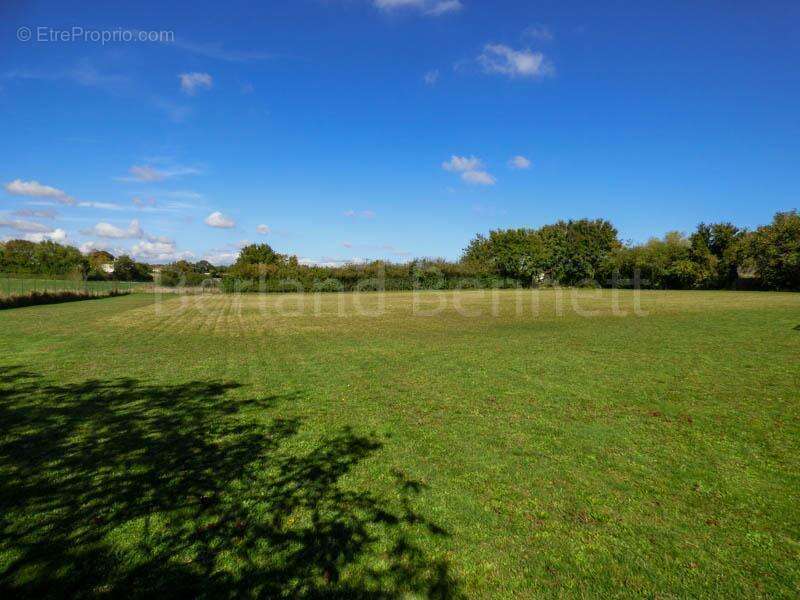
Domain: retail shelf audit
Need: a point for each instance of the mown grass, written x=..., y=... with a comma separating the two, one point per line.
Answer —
x=295, y=446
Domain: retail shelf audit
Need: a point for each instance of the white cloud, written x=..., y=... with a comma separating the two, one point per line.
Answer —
x=107, y=230
x=431, y=77
x=539, y=32
x=217, y=219
x=462, y=163
x=37, y=190
x=191, y=82
x=32, y=188
x=444, y=7
x=92, y=245
x=221, y=257
x=432, y=8
x=478, y=178
x=263, y=229
x=160, y=250
x=356, y=214
x=500, y=59
x=56, y=235
x=519, y=162
x=471, y=169
x=33, y=231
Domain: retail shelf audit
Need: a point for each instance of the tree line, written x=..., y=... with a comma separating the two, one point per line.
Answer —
x=569, y=253
x=24, y=258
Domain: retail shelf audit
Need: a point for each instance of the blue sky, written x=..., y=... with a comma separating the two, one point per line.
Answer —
x=349, y=129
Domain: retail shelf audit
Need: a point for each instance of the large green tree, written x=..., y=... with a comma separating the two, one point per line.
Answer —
x=258, y=254
x=714, y=249
x=515, y=253
x=568, y=252
x=42, y=258
x=126, y=269
x=774, y=251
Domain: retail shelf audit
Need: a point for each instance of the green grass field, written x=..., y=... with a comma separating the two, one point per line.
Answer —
x=221, y=446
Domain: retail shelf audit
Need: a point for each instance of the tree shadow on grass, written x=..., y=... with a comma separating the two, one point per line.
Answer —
x=122, y=488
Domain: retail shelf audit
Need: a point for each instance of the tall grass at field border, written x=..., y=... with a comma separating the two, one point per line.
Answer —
x=20, y=285
x=37, y=298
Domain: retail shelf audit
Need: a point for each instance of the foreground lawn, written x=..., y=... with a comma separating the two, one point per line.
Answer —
x=300, y=447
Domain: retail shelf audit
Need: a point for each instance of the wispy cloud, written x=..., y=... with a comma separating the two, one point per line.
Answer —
x=376, y=249
x=84, y=73
x=539, y=33
x=100, y=205
x=174, y=111
x=478, y=178
x=431, y=77
x=462, y=163
x=44, y=213
x=519, y=162
x=218, y=52
x=329, y=261
x=488, y=211
x=503, y=60
x=263, y=229
x=24, y=226
x=431, y=8
x=35, y=189
x=143, y=202
x=191, y=82
x=225, y=255
x=218, y=220
x=359, y=214
x=151, y=174
x=184, y=194
x=471, y=169
x=443, y=7
x=174, y=201
x=146, y=173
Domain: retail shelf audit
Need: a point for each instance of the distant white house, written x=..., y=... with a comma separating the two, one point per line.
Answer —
x=107, y=267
